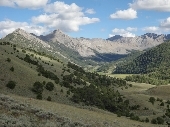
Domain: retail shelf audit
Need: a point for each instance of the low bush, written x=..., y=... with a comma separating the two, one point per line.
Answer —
x=12, y=69
x=37, y=88
x=11, y=84
x=49, y=98
x=49, y=86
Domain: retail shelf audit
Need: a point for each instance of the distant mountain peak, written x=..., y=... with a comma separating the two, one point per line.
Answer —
x=27, y=39
x=58, y=31
x=151, y=35
x=115, y=37
x=19, y=30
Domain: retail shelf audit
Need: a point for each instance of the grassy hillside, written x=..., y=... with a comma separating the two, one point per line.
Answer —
x=32, y=112
x=25, y=73
x=37, y=75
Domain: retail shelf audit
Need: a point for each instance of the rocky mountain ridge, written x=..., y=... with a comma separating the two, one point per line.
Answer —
x=31, y=37
x=115, y=45
x=86, y=47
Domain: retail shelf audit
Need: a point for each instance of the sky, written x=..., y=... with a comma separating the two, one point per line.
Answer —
x=86, y=18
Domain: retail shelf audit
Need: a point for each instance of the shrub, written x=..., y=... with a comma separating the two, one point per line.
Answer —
x=12, y=69
x=39, y=96
x=8, y=60
x=44, y=82
x=11, y=84
x=23, y=51
x=38, y=87
x=49, y=98
x=49, y=86
x=152, y=100
x=68, y=92
x=135, y=118
x=146, y=120
x=57, y=80
x=154, y=121
x=160, y=120
x=118, y=114
x=162, y=104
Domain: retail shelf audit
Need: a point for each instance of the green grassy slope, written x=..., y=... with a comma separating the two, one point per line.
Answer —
x=25, y=74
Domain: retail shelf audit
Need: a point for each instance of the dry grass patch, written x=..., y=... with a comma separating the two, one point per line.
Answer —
x=93, y=117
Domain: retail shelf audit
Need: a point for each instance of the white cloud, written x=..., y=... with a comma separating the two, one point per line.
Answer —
x=58, y=15
x=124, y=14
x=62, y=8
x=90, y=11
x=165, y=23
x=31, y=4
x=121, y=32
x=151, y=29
x=9, y=26
x=63, y=16
x=162, y=28
x=131, y=29
x=159, y=5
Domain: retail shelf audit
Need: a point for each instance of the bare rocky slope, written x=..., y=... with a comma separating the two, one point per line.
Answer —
x=116, y=45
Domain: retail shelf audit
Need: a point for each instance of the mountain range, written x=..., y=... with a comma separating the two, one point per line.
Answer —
x=117, y=44
x=95, y=49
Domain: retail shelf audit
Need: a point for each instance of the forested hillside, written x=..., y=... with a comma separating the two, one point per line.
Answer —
x=110, y=66
x=154, y=62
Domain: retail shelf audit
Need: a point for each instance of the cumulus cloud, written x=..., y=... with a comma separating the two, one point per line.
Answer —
x=63, y=16
x=9, y=26
x=163, y=27
x=31, y=4
x=151, y=29
x=57, y=15
x=90, y=11
x=124, y=14
x=121, y=32
x=159, y=5
x=62, y=8
x=131, y=29
x=165, y=23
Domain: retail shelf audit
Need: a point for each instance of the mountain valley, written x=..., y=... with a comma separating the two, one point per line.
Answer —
x=52, y=80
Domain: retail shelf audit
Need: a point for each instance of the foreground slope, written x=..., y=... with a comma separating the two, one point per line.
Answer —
x=20, y=111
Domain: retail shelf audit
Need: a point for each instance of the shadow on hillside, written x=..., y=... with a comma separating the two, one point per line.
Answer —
x=106, y=57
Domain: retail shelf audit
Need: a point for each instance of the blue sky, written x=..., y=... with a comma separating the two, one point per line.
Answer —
x=90, y=18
